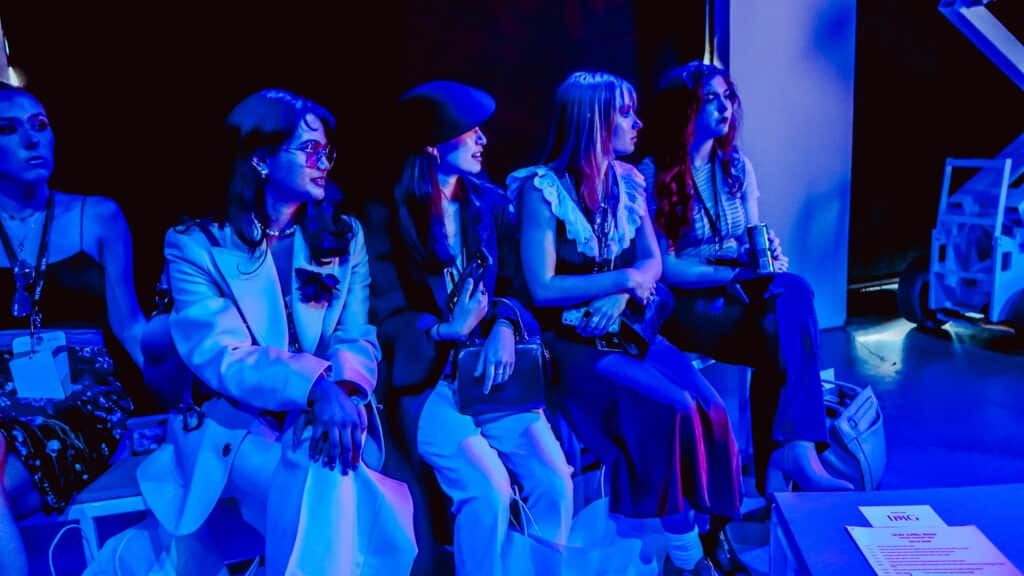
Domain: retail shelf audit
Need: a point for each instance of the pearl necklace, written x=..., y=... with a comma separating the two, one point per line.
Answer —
x=282, y=233
x=285, y=232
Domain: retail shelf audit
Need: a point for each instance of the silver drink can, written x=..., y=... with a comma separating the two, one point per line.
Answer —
x=760, y=253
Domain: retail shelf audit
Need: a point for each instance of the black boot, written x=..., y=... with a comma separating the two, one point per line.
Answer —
x=718, y=548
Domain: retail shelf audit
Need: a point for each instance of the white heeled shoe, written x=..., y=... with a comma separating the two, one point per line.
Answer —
x=797, y=462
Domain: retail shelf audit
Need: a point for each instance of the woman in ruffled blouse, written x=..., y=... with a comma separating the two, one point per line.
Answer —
x=588, y=246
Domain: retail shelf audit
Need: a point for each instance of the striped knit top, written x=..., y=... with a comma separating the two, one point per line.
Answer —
x=718, y=219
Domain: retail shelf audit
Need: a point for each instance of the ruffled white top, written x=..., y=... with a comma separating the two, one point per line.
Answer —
x=565, y=206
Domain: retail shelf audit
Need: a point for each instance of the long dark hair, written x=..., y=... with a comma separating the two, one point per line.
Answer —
x=258, y=126
x=677, y=102
x=418, y=197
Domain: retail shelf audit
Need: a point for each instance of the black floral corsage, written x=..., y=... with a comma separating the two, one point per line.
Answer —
x=315, y=287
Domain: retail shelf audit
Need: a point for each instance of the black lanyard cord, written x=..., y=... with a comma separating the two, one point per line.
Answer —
x=19, y=265
x=713, y=221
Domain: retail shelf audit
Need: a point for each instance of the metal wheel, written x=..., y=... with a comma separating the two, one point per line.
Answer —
x=912, y=295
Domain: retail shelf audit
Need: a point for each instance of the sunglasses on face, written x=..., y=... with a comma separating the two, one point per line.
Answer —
x=315, y=151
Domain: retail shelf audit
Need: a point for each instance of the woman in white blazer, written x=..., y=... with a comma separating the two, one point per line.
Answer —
x=270, y=312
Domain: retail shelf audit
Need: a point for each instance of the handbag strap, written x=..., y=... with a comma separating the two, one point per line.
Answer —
x=519, y=318
x=526, y=517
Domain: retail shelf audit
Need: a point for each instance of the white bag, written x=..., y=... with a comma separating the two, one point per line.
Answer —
x=599, y=545
x=146, y=549
x=856, y=435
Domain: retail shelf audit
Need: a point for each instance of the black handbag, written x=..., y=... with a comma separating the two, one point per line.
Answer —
x=637, y=326
x=640, y=323
x=525, y=388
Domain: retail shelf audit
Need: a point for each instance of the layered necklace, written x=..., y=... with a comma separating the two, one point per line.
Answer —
x=603, y=223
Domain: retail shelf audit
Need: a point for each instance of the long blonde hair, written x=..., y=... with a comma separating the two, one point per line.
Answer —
x=581, y=136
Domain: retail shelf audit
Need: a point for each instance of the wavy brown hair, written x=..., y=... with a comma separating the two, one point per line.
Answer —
x=677, y=102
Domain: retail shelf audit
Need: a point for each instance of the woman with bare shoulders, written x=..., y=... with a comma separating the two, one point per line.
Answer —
x=66, y=272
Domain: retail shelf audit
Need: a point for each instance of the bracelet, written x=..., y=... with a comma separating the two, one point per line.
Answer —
x=435, y=333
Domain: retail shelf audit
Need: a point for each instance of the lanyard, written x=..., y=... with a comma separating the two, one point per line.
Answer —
x=20, y=267
x=713, y=221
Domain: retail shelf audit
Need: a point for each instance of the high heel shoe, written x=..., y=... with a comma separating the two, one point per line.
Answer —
x=798, y=462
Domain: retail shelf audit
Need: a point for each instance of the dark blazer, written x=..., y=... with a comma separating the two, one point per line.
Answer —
x=407, y=295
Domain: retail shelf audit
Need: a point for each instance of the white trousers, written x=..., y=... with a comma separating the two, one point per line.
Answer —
x=473, y=459
x=317, y=521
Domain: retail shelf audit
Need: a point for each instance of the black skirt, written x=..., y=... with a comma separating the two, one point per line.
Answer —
x=66, y=444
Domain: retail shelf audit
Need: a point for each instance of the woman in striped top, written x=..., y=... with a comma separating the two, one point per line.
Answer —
x=703, y=193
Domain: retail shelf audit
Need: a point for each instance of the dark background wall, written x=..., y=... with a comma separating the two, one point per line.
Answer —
x=137, y=94
x=923, y=92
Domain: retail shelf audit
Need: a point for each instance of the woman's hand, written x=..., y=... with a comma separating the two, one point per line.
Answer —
x=470, y=308
x=338, y=424
x=780, y=261
x=600, y=314
x=638, y=284
x=498, y=358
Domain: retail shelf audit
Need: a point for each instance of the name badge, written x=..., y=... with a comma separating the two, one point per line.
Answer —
x=39, y=365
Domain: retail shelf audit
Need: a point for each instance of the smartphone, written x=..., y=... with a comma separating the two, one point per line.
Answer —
x=474, y=272
x=573, y=317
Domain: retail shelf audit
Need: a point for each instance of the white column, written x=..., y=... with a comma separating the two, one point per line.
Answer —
x=793, y=63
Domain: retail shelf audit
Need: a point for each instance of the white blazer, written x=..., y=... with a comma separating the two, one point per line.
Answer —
x=230, y=328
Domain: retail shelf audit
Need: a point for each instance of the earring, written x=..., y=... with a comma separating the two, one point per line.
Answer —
x=260, y=167
x=433, y=152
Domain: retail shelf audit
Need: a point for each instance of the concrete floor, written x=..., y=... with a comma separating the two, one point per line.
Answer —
x=949, y=400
